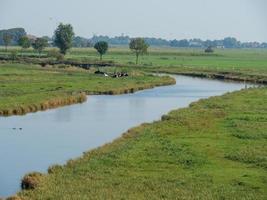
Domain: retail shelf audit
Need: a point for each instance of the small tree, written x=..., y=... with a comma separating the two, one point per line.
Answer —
x=39, y=44
x=139, y=47
x=63, y=37
x=24, y=42
x=101, y=47
x=7, y=39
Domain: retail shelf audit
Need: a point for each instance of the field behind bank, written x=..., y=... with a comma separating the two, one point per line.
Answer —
x=221, y=59
x=28, y=88
x=243, y=64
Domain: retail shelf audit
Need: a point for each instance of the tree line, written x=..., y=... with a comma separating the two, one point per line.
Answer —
x=77, y=41
x=64, y=34
x=228, y=42
x=63, y=39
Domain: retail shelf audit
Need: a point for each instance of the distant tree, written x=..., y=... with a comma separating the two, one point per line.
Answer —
x=96, y=39
x=16, y=34
x=101, y=48
x=7, y=39
x=63, y=37
x=184, y=43
x=264, y=45
x=80, y=42
x=156, y=41
x=209, y=43
x=24, y=42
x=49, y=40
x=174, y=43
x=230, y=42
x=89, y=44
x=179, y=43
x=139, y=47
x=39, y=44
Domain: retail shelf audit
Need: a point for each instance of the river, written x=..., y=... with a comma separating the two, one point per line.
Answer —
x=37, y=140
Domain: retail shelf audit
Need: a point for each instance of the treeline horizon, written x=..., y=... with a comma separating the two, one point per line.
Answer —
x=78, y=41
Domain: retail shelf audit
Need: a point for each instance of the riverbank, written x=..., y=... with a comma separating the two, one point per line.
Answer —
x=31, y=88
x=246, y=76
x=214, y=149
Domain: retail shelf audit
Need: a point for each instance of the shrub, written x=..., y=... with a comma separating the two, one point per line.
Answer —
x=31, y=181
x=209, y=50
x=55, y=54
x=14, y=55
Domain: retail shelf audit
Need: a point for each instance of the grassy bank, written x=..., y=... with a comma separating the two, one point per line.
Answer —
x=235, y=64
x=250, y=76
x=215, y=149
x=29, y=88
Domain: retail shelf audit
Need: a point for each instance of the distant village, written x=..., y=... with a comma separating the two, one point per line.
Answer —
x=228, y=42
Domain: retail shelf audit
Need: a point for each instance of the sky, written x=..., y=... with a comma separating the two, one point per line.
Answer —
x=170, y=19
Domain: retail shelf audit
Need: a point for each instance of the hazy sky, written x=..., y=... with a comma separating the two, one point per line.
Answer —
x=213, y=19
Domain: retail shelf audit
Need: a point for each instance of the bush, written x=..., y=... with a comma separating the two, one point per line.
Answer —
x=31, y=181
x=14, y=55
x=55, y=54
x=209, y=50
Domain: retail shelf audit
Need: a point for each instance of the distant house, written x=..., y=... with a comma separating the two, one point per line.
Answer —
x=195, y=44
x=219, y=47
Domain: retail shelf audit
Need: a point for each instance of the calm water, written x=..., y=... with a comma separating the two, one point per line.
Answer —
x=54, y=136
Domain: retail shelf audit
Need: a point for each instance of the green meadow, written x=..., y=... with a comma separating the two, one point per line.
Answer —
x=221, y=59
x=215, y=149
x=29, y=88
x=237, y=59
x=247, y=63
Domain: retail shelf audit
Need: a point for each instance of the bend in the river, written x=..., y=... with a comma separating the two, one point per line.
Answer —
x=38, y=140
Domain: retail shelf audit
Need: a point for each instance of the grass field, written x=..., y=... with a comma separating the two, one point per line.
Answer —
x=224, y=59
x=215, y=149
x=173, y=57
x=26, y=88
x=247, y=64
